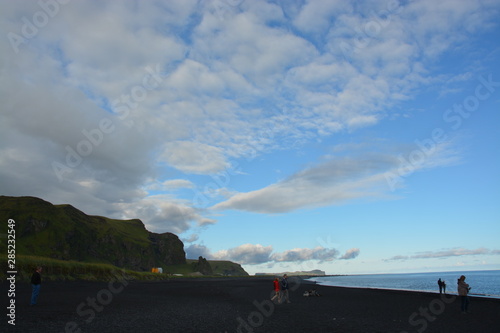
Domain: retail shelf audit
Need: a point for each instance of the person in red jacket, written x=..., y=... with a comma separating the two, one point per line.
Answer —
x=277, y=294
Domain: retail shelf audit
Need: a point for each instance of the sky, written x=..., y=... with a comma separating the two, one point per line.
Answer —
x=353, y=137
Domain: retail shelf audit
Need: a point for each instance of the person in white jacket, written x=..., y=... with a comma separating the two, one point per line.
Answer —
x=463, y=291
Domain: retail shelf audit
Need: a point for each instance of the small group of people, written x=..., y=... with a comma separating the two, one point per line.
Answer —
x=281, y=293
x=462, y=290
x=281, y=290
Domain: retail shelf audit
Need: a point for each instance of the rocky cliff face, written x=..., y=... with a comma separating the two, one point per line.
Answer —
x=167, y=248
x=202, y=266
x=64, y=232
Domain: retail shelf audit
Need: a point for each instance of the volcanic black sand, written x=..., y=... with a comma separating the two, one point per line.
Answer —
x=238, y=305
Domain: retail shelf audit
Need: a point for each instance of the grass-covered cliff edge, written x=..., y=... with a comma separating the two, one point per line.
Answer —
x=75, y=245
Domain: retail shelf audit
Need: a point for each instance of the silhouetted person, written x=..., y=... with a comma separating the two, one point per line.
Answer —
x=463, y=291
x=36, y=281
x=284, y=288
x=440, y=284
x=444, y=287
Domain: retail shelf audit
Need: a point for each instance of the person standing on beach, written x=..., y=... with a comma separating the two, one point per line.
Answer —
x=276, y=283
x=440, y=284
x=36, y=281
x=284, y=288
x=463, y=291
x=444, y=287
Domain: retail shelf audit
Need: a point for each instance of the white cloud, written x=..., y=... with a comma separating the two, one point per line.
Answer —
x=455, y=252
x=350, y=254
x=194, y=251
x=177, y=183
x=341, y=179
x=250, y=47
x=191, y=239
x=294, y=255
x=255, y=254
x=316, y=16
x=196, y=158
x=164, y=213
x=248, y=254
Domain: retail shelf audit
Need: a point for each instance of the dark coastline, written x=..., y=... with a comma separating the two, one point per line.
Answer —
x=238, y=305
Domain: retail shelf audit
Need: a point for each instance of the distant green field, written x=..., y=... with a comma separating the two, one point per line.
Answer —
x=69, y=270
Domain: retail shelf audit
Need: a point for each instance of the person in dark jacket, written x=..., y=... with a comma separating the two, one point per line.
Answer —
x=463, y=291
x=36, y=281
x=284, y=289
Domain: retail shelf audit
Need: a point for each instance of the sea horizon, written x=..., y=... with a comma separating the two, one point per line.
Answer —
x=427, y=272
x=484, y=283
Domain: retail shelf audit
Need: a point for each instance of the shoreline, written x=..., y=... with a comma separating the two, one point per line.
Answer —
x=406, y=285
x=240, y=304
x=413, y=291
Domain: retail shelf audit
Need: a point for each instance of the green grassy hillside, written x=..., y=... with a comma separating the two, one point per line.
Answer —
x=73, y=245
x=64, y=232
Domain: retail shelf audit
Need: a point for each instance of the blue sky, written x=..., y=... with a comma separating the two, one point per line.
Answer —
x=346, y=136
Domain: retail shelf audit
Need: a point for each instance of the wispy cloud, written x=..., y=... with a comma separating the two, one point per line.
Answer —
x=341, y=179
x=455, y=252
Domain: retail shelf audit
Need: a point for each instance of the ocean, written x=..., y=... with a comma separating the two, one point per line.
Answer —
x=483, y=283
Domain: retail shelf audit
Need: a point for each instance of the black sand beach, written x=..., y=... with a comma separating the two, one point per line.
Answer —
x=238, y=305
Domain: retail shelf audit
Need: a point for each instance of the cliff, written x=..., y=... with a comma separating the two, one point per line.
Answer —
x=64, y=232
